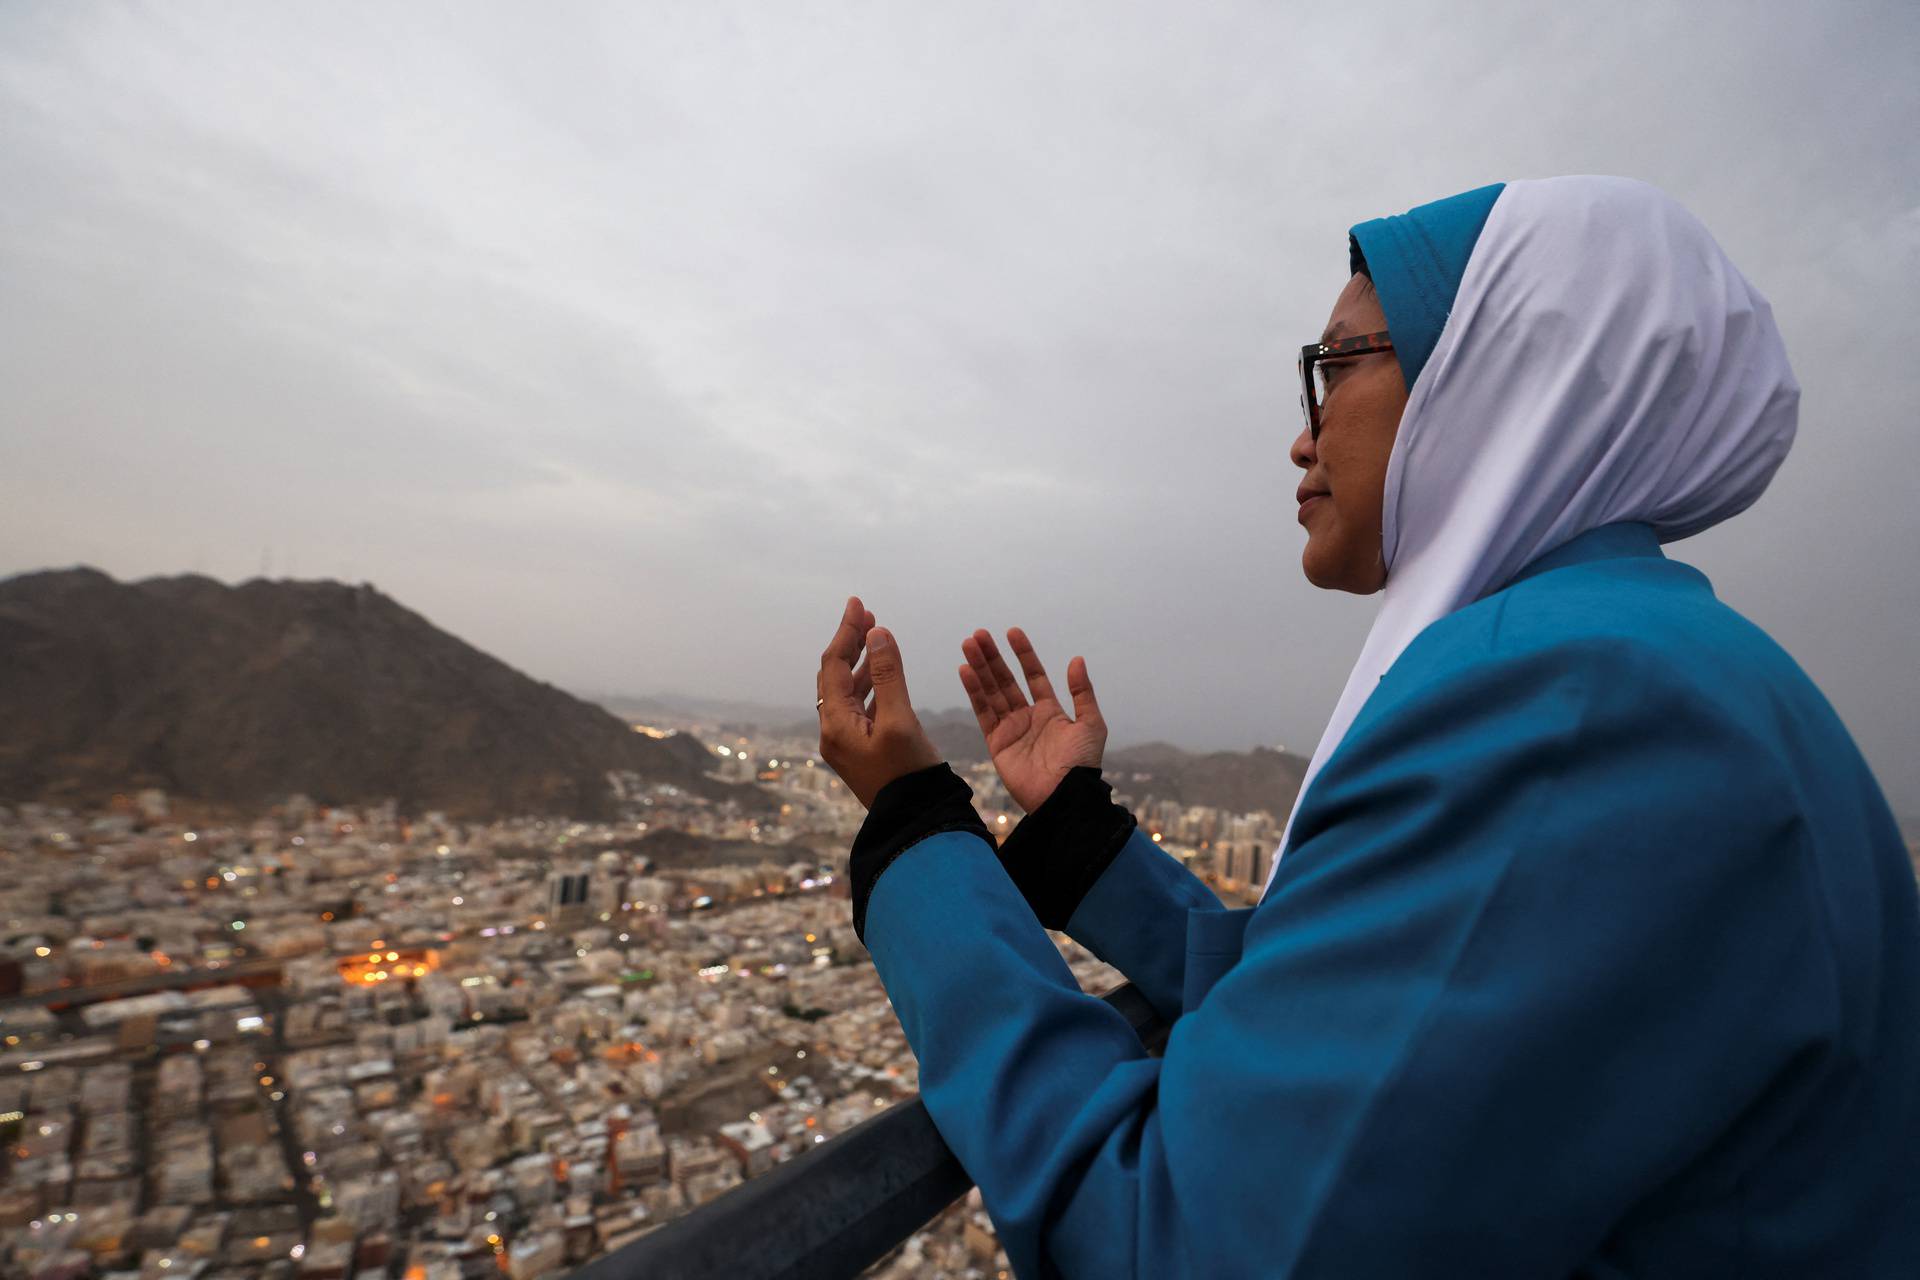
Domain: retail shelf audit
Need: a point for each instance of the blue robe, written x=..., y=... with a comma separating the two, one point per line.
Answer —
x=1596, y=952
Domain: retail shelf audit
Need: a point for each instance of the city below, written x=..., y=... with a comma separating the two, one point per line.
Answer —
x=328, y=1042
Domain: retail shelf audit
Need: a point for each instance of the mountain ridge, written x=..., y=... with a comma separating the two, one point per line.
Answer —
x=243, y=694
x=1236, y=781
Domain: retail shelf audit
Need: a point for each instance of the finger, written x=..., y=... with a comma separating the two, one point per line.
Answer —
x=1001, y=672
x=847, y=637
x=862, y=677
x=890, y=701
x=983, y=674
x=836, y=661
x=836, y=666
x=982, y=709
x=835, y=685
x=1030, y=665
x=1080, y=687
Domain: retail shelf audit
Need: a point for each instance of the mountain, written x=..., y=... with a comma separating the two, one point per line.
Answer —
x=1237, y=781
x=242, y=695
x=691, y=707
x=953, y=729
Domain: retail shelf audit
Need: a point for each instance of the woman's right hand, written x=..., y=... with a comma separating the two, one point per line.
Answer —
x=1033, y=745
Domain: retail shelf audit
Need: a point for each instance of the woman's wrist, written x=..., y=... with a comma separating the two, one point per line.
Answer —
x=1032, y=803
x=904, y=812
x=1057, y=851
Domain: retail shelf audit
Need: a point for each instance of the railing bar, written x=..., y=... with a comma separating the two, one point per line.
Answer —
x=804, y=1220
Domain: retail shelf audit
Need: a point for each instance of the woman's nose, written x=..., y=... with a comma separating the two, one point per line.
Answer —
x=1303, y=452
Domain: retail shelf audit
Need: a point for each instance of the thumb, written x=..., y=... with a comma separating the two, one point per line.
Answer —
x=889, y=677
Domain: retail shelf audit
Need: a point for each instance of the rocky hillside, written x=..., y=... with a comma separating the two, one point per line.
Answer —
x=1237, y=781
x=244, y=694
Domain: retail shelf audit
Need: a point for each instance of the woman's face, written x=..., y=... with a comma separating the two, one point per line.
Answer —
x=1347, y=468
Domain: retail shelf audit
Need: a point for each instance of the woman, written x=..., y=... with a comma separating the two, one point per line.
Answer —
x=1592, y=949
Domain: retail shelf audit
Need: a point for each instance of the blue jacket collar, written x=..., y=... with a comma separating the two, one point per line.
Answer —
x=1609, y=541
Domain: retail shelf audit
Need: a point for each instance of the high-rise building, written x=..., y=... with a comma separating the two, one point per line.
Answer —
x=567, y=891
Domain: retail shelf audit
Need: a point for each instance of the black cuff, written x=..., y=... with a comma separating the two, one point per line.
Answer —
x=907, y=811
x=1061, y=848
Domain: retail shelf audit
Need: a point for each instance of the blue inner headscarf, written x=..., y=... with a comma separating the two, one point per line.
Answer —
x=1416, y=260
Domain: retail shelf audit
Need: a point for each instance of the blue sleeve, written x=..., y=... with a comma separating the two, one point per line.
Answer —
x=1536, y=951
x=1134, y=917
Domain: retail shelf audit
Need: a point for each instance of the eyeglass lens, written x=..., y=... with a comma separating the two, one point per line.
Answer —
x=1316, y=386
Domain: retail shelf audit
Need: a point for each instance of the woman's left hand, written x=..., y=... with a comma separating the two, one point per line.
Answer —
x=868, y=743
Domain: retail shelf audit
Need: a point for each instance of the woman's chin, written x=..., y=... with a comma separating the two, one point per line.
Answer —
x=1313, y=565
x=1330, y=568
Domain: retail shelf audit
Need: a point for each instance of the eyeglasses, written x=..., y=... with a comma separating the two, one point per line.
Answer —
x=1314, y=385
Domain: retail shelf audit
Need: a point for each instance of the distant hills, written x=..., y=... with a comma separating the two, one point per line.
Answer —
x=241, y=695
x=713, y=711
x=1237, y=781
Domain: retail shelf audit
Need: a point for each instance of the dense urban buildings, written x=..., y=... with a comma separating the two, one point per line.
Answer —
x=328, y=1042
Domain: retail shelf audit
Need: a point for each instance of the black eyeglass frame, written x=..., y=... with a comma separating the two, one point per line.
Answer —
x=1361, y=344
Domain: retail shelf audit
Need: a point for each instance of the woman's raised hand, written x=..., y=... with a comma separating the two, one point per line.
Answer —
x=1033, y=745
x=869, y=734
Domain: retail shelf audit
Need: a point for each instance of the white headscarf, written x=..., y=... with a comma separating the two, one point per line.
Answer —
x=1603, y=361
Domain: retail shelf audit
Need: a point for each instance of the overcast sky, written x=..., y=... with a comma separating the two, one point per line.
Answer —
x=625, y=341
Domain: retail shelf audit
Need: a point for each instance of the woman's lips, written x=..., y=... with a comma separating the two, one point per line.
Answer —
x=1309, y=504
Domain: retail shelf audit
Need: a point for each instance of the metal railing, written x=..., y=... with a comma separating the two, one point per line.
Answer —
x=832, y=1211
